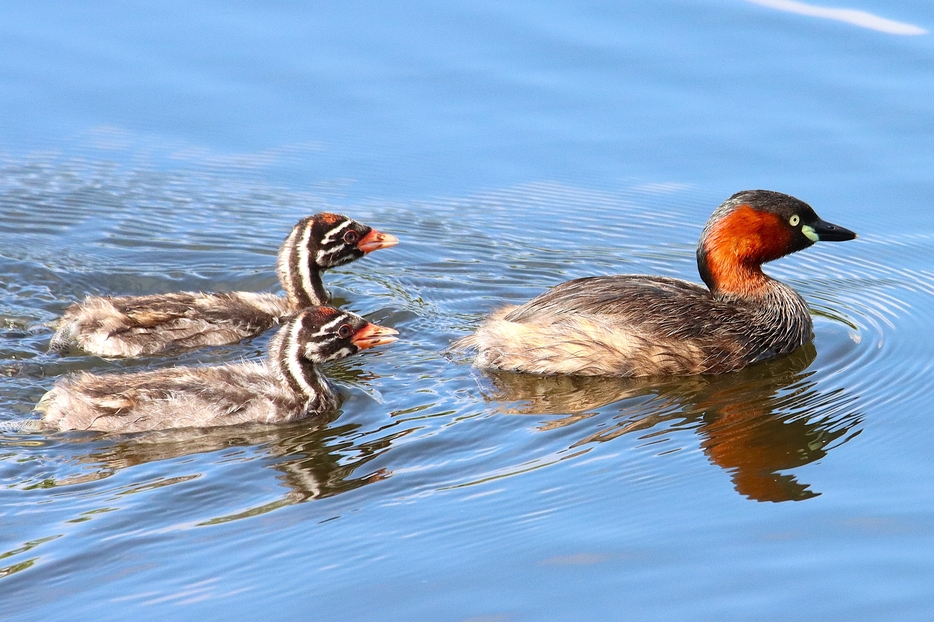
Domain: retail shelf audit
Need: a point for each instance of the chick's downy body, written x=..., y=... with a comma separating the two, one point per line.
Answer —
x=127, y=326
x=286, y=386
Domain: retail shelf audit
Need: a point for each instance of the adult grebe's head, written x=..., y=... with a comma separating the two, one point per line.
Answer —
x=751, y=228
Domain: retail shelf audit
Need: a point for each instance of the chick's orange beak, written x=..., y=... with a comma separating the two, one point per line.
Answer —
x=372, y=335
x=374, y=240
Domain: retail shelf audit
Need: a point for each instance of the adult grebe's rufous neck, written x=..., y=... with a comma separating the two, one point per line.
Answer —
x=633, y=325
x=751, y=228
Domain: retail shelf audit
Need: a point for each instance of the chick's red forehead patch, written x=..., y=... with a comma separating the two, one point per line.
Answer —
x=320, y=315
x=327, y=218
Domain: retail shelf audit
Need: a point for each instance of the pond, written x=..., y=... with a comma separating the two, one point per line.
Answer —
x=149, y=149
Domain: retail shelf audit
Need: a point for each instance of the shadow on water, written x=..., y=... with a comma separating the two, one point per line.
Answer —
x=754, y=424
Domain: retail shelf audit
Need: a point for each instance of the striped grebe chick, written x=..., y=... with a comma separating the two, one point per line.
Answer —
x=285, y=387
x=629, y=325
x=121, y=326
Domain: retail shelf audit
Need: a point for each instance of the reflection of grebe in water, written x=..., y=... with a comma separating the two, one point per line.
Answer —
x=315, y=458
x=754, y=423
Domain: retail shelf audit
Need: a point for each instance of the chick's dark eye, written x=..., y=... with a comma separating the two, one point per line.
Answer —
x=344, y=331
x=351, y=236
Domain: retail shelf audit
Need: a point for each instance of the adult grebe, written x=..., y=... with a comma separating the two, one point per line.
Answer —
x=630, y=325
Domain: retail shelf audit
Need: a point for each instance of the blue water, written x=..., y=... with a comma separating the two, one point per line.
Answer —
x=155, y=147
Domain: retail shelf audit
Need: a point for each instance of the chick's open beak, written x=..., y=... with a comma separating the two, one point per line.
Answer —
x=372, y=335
x=374, y=240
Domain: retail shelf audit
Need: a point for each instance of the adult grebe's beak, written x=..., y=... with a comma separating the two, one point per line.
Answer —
x=372, y=335
x=827, y=232
x=374, y=240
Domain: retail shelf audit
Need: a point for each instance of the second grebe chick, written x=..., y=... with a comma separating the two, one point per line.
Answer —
x=630, y=325
x=285, y=387
x=116, y=326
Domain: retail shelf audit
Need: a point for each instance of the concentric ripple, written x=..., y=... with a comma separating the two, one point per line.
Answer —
x=415, y=421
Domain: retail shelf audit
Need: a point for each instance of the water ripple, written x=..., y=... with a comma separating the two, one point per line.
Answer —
x=416, y=424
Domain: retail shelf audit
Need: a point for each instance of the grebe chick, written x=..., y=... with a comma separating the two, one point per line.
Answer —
x=630, y=325
x=285, y=387
x=115, y=326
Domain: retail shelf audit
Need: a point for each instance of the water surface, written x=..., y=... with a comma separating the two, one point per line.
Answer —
x=160, y=148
